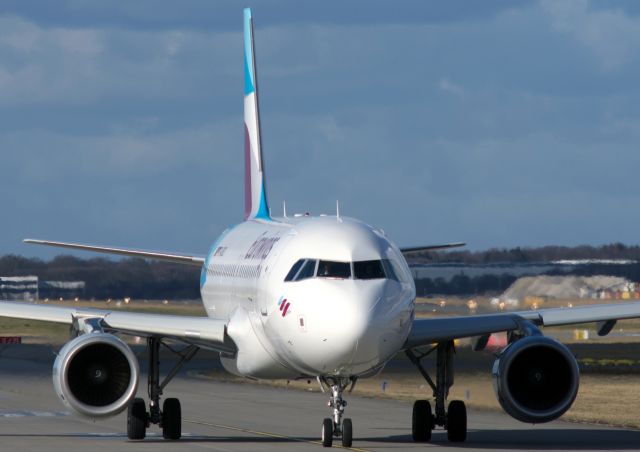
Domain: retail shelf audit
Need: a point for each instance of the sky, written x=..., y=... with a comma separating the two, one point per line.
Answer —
x=496, y=123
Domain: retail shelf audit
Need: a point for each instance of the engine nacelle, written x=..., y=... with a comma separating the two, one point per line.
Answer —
x=96, y=374
x=536, y=379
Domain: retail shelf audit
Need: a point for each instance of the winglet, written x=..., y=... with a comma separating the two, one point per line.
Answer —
x=255, y=197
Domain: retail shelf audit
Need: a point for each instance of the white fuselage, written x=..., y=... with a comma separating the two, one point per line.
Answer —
x=329, y=324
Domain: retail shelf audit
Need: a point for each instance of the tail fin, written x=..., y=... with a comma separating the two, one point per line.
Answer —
x=255, y=197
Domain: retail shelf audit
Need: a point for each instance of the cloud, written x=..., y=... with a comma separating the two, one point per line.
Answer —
x=75, y=66
x=222, y=14
x=611, y=34
x=492, y=126
x=449, y=87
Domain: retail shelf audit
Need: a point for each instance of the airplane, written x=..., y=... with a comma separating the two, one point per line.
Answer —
x=324, y=297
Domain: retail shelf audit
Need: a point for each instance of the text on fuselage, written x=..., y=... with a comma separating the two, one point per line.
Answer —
x=261, y=248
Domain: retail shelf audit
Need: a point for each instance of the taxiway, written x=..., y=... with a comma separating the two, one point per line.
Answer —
x=247, y=417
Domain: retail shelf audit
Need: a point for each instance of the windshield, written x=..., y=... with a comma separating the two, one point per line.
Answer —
x=368, y=270
x=331, y=269
x=373, y=269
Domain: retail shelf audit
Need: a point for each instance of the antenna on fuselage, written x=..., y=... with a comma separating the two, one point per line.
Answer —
x=284, y=209
x=337, y=209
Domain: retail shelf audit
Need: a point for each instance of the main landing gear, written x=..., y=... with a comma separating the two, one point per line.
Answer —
x=454, y=419
x=170, y=418
x=337, y=427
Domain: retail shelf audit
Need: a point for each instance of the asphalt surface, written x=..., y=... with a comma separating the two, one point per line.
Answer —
x=246, y=417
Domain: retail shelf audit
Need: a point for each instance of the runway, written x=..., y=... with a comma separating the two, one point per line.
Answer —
x=244, y=417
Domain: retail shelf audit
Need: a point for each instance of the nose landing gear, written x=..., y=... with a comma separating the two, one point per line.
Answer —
x=337, y=427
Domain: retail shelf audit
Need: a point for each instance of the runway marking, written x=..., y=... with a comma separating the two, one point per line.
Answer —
x=22, y=413
x=121, y=435
x=267, y=434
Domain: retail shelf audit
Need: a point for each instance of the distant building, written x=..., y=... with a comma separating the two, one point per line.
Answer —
x=29, y=288
x=19, y=288
x=61, y=289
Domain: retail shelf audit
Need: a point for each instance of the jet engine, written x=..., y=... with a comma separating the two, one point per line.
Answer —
x=96, y=374
x=536, y=379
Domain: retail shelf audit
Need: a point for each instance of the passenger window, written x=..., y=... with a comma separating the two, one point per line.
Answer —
x=294, y=270
x=368, y=270
x=307, y=270
x=330, y=269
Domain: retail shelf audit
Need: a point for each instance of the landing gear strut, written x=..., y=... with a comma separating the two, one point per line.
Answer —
x=170, y=417
x=453, y=419
x=336, y=426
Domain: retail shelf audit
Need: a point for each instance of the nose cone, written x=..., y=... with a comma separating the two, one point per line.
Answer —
x=339, y=318
x=347, y=326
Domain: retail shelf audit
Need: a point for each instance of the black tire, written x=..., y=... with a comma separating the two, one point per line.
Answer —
x=422, y=421
x=457, y=421
x=327, y=432
x=171, y=419
x=137, y=419
x=347, y=433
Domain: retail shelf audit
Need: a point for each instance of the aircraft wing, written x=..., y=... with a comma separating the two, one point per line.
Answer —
x=422, y=249
x=439, y=329
x=201, y=331
x=158, y=255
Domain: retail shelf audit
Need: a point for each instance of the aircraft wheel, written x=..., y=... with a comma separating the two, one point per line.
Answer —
x=422, y=421
x=347, y=432
x=327, y=432
x=171, y=419
x=457, y=421
x=136, y=419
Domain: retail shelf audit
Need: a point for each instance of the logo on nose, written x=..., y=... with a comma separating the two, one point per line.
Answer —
x=284, y=305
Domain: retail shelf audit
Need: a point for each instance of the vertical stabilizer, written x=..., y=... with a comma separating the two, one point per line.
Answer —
x=255, y=197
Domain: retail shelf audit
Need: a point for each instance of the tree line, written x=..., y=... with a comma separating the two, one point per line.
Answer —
x=530, y=255
x=147, y=279
x=107, y=278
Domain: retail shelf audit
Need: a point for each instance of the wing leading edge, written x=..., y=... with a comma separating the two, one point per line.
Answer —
x=201, y=331
x=158, y=255
x=431, y=330
x=423, y=249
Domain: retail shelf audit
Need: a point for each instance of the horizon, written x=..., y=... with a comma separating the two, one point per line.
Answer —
x=418, y=259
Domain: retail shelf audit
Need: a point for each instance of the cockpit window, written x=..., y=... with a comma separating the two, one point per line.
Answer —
x=399, y=267
x=294, y=270
x=307, y=270
x=368, y=270
x=331, y=269
x=390, y=269
x=373, y=269
x=302, y=269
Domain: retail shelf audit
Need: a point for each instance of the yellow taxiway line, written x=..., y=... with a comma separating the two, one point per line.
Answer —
x=267, y=434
